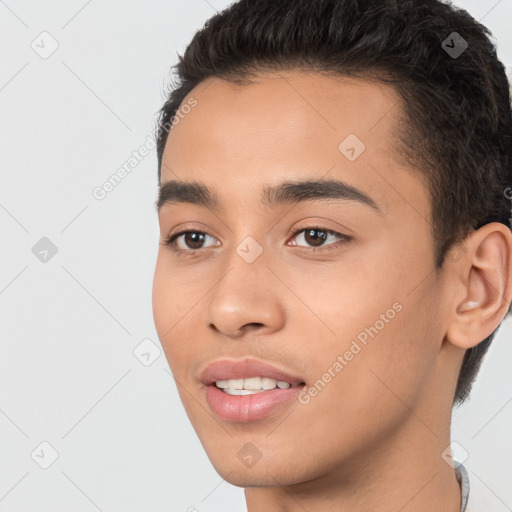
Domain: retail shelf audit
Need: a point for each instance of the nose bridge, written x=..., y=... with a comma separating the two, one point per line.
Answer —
x=246, y=268
x=248, y=244
x=245, y=294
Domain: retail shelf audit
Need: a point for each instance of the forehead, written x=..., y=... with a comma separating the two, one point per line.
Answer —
x=286, y=126
x=297, y=107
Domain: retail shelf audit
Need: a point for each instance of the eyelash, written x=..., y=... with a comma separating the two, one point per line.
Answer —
x=171, y=240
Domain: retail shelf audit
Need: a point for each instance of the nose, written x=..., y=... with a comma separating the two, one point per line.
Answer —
x=246, y=299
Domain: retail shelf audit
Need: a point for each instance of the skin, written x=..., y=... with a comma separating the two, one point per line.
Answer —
x=372, y=439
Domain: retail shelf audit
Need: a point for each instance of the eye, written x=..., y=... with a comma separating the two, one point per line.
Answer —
x=309, y=235
x=194, y=240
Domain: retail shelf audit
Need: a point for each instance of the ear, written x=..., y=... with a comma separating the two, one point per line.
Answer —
x=482, y=285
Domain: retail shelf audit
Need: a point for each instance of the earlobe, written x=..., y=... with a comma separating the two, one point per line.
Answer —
x=484, y=277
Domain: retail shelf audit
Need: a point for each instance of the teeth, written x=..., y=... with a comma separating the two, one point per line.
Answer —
x=251, y=384
x=236, y=384
x=242, y=391
x=268, y=383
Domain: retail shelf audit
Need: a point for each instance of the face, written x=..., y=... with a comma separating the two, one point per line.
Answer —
x=338, y=292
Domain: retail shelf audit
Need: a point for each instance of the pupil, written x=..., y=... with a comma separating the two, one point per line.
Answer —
x=316, y=241
x=193, y=235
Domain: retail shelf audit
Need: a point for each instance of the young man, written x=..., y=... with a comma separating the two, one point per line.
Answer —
x=336, y=250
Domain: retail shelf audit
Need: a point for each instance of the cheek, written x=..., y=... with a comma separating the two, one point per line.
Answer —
x=364, y=401
x=396, y=360
x=168, y=306
x=385, y=336
x=161, y=299
x=172, y=296
x=174, y=303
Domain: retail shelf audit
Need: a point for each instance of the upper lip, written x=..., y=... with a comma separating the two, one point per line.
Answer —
x=225, y=369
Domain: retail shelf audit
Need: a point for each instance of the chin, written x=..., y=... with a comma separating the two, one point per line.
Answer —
x=265, y=473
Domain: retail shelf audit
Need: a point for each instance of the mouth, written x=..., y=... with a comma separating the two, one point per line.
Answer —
x=255, y=374
x=252, y=385
x=246, y=405
x=248, y=390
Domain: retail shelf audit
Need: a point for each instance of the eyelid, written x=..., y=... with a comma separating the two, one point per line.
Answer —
x=300, y=231
x=171, y=239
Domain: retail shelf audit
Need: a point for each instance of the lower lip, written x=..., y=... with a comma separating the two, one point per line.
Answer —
x=244, y=408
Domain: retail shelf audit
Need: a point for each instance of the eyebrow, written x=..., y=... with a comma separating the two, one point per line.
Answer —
x=288, y=192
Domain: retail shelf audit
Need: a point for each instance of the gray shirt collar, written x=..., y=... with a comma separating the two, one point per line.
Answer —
x=463, y=479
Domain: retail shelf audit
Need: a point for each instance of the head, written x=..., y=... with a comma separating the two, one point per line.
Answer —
x=413, y=278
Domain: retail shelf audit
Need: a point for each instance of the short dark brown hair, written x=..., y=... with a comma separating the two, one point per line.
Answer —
x=456, y=128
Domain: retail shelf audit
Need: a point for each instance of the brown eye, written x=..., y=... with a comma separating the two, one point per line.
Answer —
x=193, y=240
x=316, y=236
x=311, y=237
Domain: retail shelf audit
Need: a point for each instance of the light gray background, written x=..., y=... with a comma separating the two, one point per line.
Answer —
x=68, y=375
